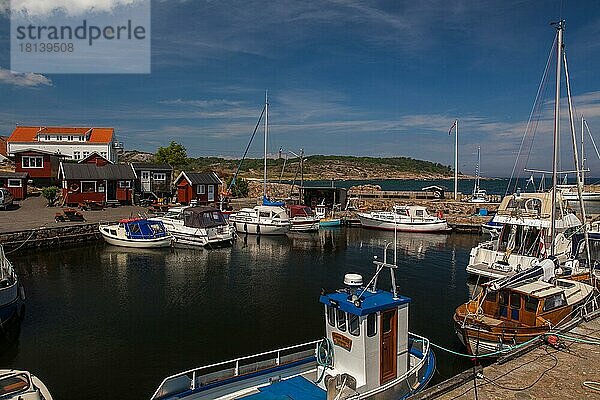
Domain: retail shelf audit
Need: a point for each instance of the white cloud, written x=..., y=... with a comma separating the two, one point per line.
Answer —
x=28, y=79
x=40, y=8
x=201, y=103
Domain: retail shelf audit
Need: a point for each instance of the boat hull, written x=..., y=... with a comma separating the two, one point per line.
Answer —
x=440, y=226
x=138, y=243
x=304, y=226
x=257, y=228
x=331, y=223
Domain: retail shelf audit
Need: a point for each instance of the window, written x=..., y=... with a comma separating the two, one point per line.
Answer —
x=491, y=296
x=264, y=214
x=531, y=304
x=504, y=298
x=59, y=137
x=32, y=162
x=554, y=301
x=88, y=186
x=331, y=315
x=353, y=324
x=14, y=183
x=46, y=137
x=81, y=138
x=103, y=154
x=77, y=155
x=70, y=138
x=341, y=320
x=124, y=184
x=200, y=189
x=161, y=176
x=387, y=321
x=86, y=154
x=371, y=325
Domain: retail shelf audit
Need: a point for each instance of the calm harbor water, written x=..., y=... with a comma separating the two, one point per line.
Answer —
x=104, y=322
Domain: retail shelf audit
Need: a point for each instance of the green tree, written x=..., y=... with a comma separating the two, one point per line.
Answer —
x=174, y=154
x=240, y=188
x=50, y=193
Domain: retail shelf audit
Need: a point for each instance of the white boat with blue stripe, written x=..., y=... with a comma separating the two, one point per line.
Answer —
x=367, y=353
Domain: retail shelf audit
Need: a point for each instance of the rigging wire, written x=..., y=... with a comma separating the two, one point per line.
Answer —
x=534, y=111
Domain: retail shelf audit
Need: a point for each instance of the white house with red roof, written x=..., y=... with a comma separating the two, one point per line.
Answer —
x=75, y=143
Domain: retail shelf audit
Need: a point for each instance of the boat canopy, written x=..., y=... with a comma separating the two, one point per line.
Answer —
x=300, y=211
x=203, y=217
x=267, y=202
x=370, y=302
x=143, y=228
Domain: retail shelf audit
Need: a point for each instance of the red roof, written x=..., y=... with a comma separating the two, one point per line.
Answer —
x=26, y=134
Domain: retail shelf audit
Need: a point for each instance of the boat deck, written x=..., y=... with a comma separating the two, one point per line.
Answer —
x=293, y=388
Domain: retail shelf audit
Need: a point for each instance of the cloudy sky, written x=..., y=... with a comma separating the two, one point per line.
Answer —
x=377, y=78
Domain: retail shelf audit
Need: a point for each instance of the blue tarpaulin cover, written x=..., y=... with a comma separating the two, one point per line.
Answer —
x=296, y=388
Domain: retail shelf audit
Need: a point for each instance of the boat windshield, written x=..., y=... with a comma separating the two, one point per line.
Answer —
x=521, y=240
x=13, y=384
x=173, y=215
x=195, y=218
x=402, y=211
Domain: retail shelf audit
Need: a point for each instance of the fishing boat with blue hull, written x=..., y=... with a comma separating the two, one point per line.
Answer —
x=136, y=232
x=367, y=353
x=12, y=294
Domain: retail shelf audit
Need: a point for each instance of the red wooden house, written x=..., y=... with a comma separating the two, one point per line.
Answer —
x=42, y=166
x=203, y=187
x=95, y=179
x=15, y=182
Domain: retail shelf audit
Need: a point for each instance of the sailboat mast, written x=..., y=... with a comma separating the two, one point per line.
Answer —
x=456, y=160
x=266, y=136
x=476, y=189
x=582, y=154
x=559, y=49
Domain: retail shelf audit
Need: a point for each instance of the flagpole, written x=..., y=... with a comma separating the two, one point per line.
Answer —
x=456, y=160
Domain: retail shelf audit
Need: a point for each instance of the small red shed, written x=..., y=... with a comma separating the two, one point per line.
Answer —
x=203, y=187
x=15, y=182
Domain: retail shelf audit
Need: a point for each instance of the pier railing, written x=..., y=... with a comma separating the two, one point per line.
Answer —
x=196, y=378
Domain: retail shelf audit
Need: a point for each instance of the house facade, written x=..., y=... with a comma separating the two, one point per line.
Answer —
x=203, y=187
x=3, y=152
x=153, y=179
x=42, y=166
x=15, y=182
x=76, y=143
x=96, y=179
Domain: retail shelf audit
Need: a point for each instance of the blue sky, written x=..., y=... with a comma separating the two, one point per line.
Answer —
x=379, y=78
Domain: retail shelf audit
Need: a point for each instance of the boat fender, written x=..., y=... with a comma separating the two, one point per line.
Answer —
x=22, y=293
x=245, y=227
x=552, y=340
x=440, y=214
x=258, y=229
x=74, y=187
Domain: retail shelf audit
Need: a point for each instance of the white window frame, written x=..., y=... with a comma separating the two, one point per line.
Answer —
x=85, y=191
x=70, y=138
x=29, y=158
x=10, y=185
x=59, y=137
x=77, y=155
x=82, y=138
x=201, y=188
x=86, y=154
x=159, y=176
x=124, y=184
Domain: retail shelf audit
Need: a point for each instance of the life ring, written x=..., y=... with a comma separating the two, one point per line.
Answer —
x=74, y=187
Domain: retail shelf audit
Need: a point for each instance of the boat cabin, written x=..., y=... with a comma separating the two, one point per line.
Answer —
x=300, y=211
x=138, y=228
x=371, y=326
x=203, y=217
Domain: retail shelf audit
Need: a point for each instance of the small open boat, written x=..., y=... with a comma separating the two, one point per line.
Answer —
x=136, y=232
x=404, y=218
x=517, y=309
x=367, y=353
x=22, y=385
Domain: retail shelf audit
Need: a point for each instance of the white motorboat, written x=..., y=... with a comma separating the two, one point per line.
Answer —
x=569, y=192
x=136, y=232
x=261, y=220
x=197, y=226
x=303, y=219
x=404, y=218
x=12, y=294
x=367, y=353
x=22, y=385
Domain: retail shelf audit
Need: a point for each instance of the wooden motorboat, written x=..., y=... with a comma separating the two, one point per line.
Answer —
x=404, y=219
x=22, y=385
x=136, y=232
x=519, y=308
x=367, y=353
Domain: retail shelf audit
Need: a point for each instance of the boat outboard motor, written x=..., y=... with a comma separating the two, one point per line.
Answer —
x=340, y=386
